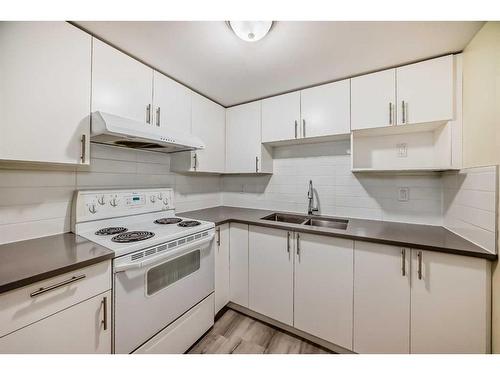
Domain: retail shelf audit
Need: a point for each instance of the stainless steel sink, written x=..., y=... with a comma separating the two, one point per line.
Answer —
x=327, y=223
x=286, y=218
x=319, y=221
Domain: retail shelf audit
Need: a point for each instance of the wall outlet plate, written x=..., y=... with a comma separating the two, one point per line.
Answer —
x=402, y=150
x=404, y=194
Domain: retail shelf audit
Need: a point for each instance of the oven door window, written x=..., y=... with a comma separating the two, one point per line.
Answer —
x=165, y=274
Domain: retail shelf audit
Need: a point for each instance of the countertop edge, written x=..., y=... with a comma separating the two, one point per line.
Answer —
x=4, y=288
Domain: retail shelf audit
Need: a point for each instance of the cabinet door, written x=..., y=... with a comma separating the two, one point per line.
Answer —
x=243, y=140
x=425, y=91
x=238, y=263
x=325, y=110
x=221, y=267
x=172, y=104
x=280, y=117
x=44, y=92
x=324, y=287
x=84, y=328
x=209, y=124
x=121, y=85
x=373, y=100
x=450, y=303
x=381, y=298
x=271, y=273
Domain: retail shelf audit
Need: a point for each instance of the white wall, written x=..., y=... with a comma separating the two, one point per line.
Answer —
x=340, y=192
x=36, y=201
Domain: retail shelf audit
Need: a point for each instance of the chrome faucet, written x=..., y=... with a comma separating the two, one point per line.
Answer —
x=310, y=196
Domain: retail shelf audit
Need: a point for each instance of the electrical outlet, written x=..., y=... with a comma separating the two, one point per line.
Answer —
x=404, y=194
x=402, y=150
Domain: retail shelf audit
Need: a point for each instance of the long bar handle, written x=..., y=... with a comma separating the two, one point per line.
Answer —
x=256, y=164
x=58, y=285
x=403, y=261
x=390, y=114
x=83, y=142
x=195, y=159
x=148, y=114
x=296, y=129
x=419, y=270
x=298, y=245
x=218, y=236
x=403, y=108
x=105, y=313
x=158, y=115
x=288, y=242
x=303, y=128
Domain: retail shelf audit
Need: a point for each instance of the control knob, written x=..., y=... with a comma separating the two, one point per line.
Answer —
x=113, y=202
x=92, y=209
x=152, y=199
x=101, y=200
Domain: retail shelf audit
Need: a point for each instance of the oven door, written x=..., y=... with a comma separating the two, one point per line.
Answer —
x=151, y=294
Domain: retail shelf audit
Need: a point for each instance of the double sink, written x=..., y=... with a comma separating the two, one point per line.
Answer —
x=308, y=220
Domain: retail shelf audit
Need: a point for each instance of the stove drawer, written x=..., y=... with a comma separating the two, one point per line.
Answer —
x=34, y=302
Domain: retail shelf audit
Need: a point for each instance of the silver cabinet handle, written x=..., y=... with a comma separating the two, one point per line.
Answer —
x=390, y=113
x=298, y=245
x=158, y=114
x=105, y=313
x=256, y=164
x=296, y=129
x=303, y=128
x=218, y=236
x=195, y=160
x=288, y=242
x=403, y=108
x=148, y=114
x=403, y=261
x=419, y=269
x=83, y=145
x=58, y=285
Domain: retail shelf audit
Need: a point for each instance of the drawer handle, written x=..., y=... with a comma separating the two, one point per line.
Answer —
x=105, y=313
x=58, y=285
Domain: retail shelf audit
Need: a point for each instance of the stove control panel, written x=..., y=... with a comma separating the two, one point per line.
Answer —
x=93, y=205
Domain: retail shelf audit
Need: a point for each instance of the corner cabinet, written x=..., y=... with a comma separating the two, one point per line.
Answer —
x=221, y=267
x=208, y=124
x=44, y=92
x=245, y=152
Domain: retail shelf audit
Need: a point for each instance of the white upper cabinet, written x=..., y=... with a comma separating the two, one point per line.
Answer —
x=425, y=91
x=381, y=299
x=45, y=70
x=323, y=297
x=325, y=110
x=172, y=104
x=244, y=150
x=280, y=117
x=450, y=303
x=121, y=85
x=271, y=273
x=373, y=100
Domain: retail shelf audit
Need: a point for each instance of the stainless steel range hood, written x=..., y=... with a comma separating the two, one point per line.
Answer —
x=119, y=131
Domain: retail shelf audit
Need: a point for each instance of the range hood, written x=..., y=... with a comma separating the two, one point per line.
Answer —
x=119, y=131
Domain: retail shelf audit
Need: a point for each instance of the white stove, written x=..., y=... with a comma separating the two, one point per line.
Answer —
x=163, y=268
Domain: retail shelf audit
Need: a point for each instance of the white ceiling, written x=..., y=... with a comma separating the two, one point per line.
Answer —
x=209, y=58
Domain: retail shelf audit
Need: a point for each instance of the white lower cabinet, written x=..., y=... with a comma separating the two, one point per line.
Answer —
x=238, y=263
x=271, y=273
x=221, y=267
x=324, y=287
x=84, y=328
x=381, y=298
x=450, y=303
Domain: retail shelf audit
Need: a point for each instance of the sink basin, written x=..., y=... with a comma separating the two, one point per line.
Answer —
x=286, y=218
x=328, y=223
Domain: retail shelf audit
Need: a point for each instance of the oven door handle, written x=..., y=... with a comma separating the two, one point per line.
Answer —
x=191, y=246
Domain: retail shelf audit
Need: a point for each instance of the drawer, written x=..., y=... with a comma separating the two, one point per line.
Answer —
x=79, y=329
x=21, y=307
x=184, y=332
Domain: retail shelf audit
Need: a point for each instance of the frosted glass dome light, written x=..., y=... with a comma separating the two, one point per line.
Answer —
x=251, y=31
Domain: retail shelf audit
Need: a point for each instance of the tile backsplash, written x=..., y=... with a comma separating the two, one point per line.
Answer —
x=37, y=202
x=469, y=204
x=338, y=191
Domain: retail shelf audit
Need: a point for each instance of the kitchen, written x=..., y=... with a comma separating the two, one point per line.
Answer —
x=351, y=209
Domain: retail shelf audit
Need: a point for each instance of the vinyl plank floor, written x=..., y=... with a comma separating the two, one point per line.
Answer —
x=235, y=333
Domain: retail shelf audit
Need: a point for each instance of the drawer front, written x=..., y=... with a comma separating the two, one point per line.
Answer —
x=29, y=304
x=79, y=329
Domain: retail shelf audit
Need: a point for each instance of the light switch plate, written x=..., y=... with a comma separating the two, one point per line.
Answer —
x=404, y=194
x=402, y=150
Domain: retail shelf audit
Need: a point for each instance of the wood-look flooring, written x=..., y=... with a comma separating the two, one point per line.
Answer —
x=235, y=333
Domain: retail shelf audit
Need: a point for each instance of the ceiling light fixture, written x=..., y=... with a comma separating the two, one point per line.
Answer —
x=250, y=31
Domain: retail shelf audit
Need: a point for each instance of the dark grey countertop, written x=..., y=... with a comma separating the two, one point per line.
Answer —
x=425, y=237
x=26, y=262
